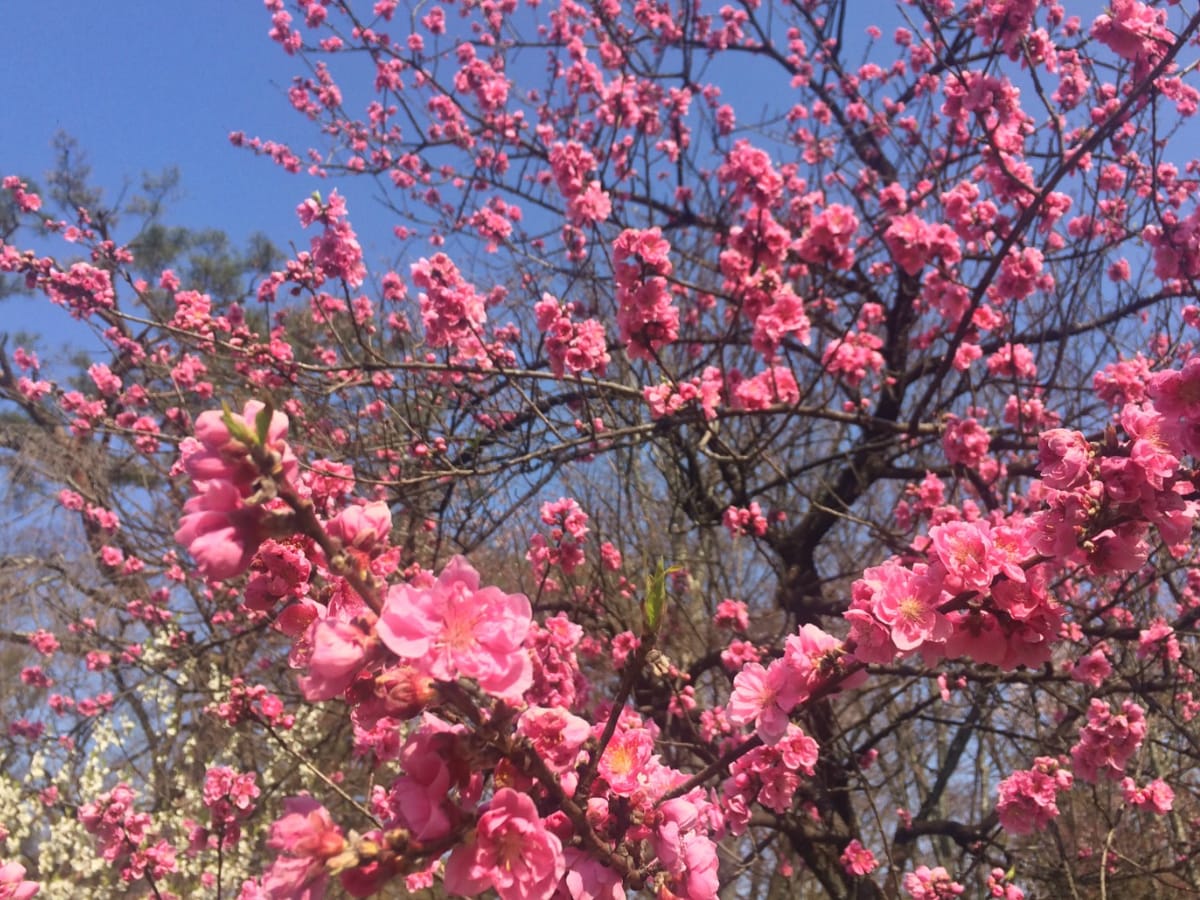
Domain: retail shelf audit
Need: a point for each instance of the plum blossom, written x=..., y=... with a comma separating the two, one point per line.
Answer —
x=645, y=316
x=1108, y=740
x=1027, y=798
x=857, y=859
x=1157, y=796
x=627, y=760
x=307, y=839
x=764, y=696
x=512, y=853
x=931, y=884
x=13, y=885
x=222, y=524
x=452, y=628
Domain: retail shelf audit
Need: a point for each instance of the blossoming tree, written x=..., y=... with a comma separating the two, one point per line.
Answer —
x=791, y=489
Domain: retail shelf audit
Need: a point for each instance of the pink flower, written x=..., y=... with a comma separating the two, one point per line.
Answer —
x=1064, y=459
x=222, y=456
x=13, y=885
x=965, y=550
x=339, y=650
x=362, y=527
x=777, y=385
x=1177, y=393
x=220, y=528
x=452, y=311
x=424, y=797
x=764, y=696
x=626, y=760
x=858, y=860
x=645, y=316
x=905, y=602
x=1093, y=668
x=454, y=629
x=1133, y=31
x=810, y=653
x=1108, y=740
x=797, y=751
x=1157, y=796
x=1154, y=448
x=931, y=884
x=513, y=853
x=574, y=347
x=588, y=879
x=1027, y=800
x=732, y=614
x=220, y=531
x=308, y=837
x=555, y=734
x=965, y=441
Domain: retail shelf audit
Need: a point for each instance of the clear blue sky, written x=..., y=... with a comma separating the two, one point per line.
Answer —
x=144, y=84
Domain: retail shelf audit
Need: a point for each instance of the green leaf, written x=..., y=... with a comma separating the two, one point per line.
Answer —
x=656, y=597
x=237, y=429
x=262, y=422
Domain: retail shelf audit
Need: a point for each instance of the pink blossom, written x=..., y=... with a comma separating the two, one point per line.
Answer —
x=453, y=628
x=512, y=852
x=732, y=614
x=748, y=520
x=571, y=346
x=1108, y=740
x=645, y=315
x=904, y=602
x=764, y=696
x=587, y=878
x=220, y=455
x=1093, y=668
x=362, y=527
x=749, y=170
x=626, y=760
x=965, y=441
x=965, y=550
x=222, y=525
x=1134, y=31
x=1012, y=361
x=338, y=650
x=423, y=798
x=452, y=311
x=307, y=837
x=555, y=734
x=798, y=751
x=1159, y=640
x=220, y=531
x=1027, y=800
x=931, y=884
x=1155, y=447
x=13, y=885
x=829, y=237
x=777, y=385
x=853, y=356
x=44, y=642
x=1157, y=796
x=858, y=860
x=1064, y=459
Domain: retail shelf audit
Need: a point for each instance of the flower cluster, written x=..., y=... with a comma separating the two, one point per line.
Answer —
x=645, y=315
x=224, y=522
x=1027, y=800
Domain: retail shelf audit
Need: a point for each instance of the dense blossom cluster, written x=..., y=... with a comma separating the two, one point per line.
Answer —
x=857, y=361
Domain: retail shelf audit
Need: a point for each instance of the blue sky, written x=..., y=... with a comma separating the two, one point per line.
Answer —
x=145, y=84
